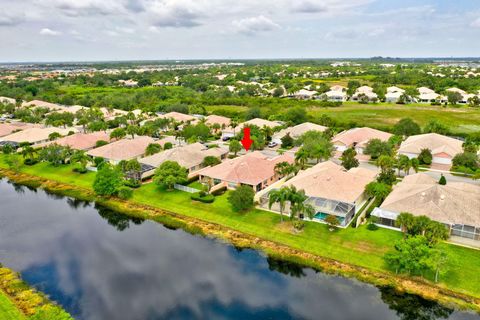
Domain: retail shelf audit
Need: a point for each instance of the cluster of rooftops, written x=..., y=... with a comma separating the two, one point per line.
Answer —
x=330, y=188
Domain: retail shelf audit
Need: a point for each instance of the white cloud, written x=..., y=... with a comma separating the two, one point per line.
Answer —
x=476, y=23
x=49, y=32
x=176, y=13
x=254, y=25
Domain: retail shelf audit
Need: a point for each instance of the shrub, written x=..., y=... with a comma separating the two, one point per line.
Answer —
x=241, y=199
x=298, y=224
x=132, y=183
x=30, y=162
x=124, y=193
x=205, y=198
x=98, y=161
x=372, y=226
x=425, y=157
x=80, y=170
x=219, y=192
x=442, y=181
x=167, y=145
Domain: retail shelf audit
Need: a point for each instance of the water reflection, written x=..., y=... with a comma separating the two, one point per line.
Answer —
x=83, y=261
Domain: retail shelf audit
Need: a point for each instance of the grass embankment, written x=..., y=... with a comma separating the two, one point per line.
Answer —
x=19, y=301
x=359, y=252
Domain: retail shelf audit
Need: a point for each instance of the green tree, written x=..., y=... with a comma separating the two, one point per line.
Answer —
x=118, y=134
x=378, y=190
x=437, y=262
x=133, y=169
x=55, y=154
x=280, y=196
x=411, y=255
x=425, y=157
x=348, y=159
x=406, y=127
x=287, y=141
x=107, y=180
x=454, y=97
x=443, y=180
x=241, y=198
x=132, y=130
x=80, y=157
x=234, y=146
x=170, y=173
x=296, y=115
x=405, y=221
x=210, y=161
x=467, y=160
x=332, y=221
x=376, y=147
x=301, y=157
x=153, y=148
x=54, y=136
x=28, y=152
x=284, y=168
x=433, y=126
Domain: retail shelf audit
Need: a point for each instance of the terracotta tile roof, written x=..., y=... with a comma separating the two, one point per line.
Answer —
x=81, y=141
x=252, y=168
x=331, y=181
x=433, y=141
x=177, y=116
x=212, y=119
x=8, y=128
x=125, y=149
x=359, y=136
x=35, y=135
x=420, y=194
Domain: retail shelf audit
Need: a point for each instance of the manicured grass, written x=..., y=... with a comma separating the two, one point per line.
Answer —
x=355, y=246
x=459, y=120
x=8, y=311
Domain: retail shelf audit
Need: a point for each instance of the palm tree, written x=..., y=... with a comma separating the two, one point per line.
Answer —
x=405, y=221
x=281, y=196
x=81, y=158
x=301, y=157
x=28, y=152
x=415, y=164
x=234, y=124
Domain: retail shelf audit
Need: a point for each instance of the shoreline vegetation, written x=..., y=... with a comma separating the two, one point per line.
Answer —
x=19, y=301
x=343, y=258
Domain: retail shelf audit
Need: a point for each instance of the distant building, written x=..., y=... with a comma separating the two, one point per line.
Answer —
x=358, y=138
x=297, y=131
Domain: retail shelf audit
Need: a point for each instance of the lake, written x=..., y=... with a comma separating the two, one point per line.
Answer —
x=102, y=265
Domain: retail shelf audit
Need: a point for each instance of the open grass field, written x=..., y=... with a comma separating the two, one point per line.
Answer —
x=459, y=120
x=8, y=311
x=355, y=246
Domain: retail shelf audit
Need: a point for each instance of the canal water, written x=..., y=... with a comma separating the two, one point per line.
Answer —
x=99, y=264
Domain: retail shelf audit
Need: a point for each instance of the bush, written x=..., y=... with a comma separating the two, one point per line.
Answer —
x=372, y=226
x=80, y=170
x=298, y=224
x=167, y=145
x=98, y=161
x=30, y=162
x=124, y=193
x=202, y=197
x=241, y=199
x=132, y=183
x=219, y=192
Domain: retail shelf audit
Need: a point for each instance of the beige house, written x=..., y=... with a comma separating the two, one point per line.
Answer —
x=456, y=204
x=190, y=156
x=9, y=128
x=36, y=135
x=253, y=169
x=231, y=132
x=366, y=91
x=332, y=190
x=358, y=138
x=213, y=119
x=443, y=148
x=297, y=131
x=178, y=117
x=125, y=149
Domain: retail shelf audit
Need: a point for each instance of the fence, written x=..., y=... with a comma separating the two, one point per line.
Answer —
x=185, y=188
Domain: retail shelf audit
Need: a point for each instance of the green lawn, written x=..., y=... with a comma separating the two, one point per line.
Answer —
x=8, y=311
x=459, y=120
x=356, y=246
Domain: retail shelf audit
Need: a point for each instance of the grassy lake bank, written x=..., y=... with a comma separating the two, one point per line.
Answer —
x=356, y=253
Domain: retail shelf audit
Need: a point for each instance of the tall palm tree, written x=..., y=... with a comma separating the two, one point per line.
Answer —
x=301, y=157
x=81, y=158
x=28, y=152
x=281, y=196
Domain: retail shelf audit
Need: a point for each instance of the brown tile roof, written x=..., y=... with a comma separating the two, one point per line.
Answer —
x=35, y=135
x=212, y=119
x=420, y=194
x=433, y=141
x=330, y=181
x=8, y=128
x=125, y=149
x=360, y=136
x=177, y=116
x=250, y=169
x=298, y=130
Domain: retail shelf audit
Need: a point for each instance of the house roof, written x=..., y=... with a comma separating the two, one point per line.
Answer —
x=338, y=88
x=187, y=156
x=425, y=90
x=395, y=89
x=177, y=116
x=212, y=119
x=360, y=136
x=260, y=123
x=40, y=103
x=7, y=100
x=335, y=93
x=34, y=135
x=435, y=142
x=462, y=92
x=298, y=130
x=364, y=89
x=81, y=141
x=125, y=149
x=251, y=168
x=8, y=128
x=420, y=194
x=329, y=180
x=304, y=92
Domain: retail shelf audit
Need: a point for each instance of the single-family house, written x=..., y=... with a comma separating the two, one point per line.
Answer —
x=393, y=94
x=365, y=91
x=427, y=95
x=332, y=190
x=124, y=149
x=335, y=95
x=7, y=100
x=231, y=132
x=189, y=156
x=297, y=131
x=443, y=148
x=80, y=141
x=304, y=94
x=213, y=119
x=9, y=128
x=253, y=169
x=456, y=204
x=358, y=138
x=36, y=135
x=178, y=117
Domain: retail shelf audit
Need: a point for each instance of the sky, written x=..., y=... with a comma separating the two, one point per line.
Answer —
x=98, y=30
